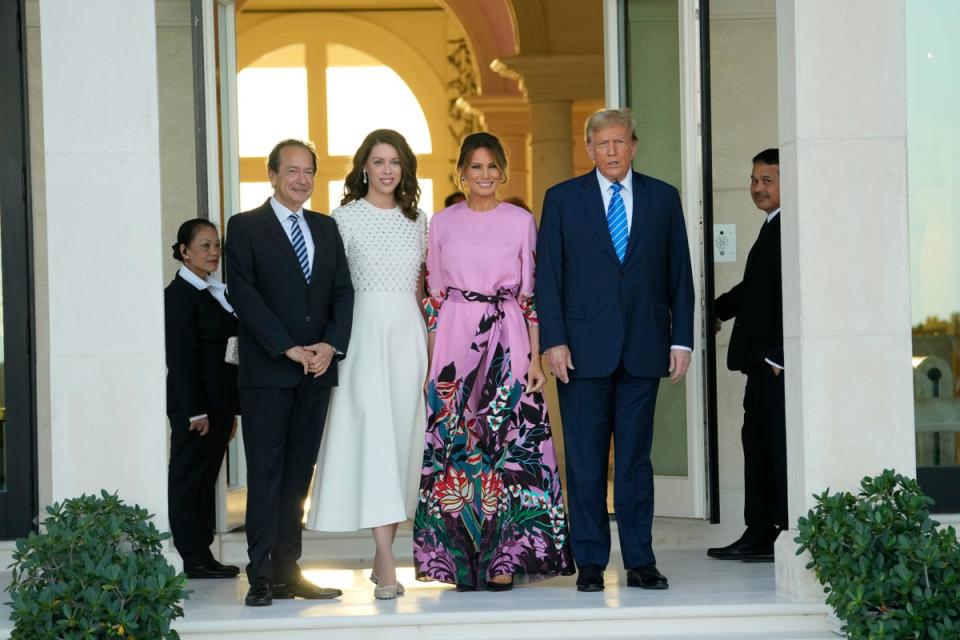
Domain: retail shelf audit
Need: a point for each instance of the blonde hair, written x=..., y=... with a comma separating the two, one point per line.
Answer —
x=603, y=118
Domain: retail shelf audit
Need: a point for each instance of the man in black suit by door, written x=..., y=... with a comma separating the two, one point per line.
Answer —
x=289, y=283
x=756, y=349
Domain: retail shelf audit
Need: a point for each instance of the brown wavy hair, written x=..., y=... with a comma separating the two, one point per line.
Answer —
x=407, y=193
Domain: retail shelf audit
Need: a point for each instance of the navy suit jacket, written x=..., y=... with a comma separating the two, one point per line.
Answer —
x=276, y=307
x=604, y=311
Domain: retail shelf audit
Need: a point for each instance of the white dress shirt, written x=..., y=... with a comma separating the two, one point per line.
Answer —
x=282, y=215
x=626, y=194
x=217, y=288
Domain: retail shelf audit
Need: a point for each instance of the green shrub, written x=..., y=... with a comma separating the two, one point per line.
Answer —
x=96, y=572
x=888, y=571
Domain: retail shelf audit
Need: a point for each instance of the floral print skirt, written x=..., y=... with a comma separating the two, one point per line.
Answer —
x=490, y=501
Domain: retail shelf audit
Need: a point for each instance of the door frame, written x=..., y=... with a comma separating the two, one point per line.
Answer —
x=695, y=495
x=218, y=184
x=18, y=504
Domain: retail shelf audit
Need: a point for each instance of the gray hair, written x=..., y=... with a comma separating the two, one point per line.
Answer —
x=603, y=118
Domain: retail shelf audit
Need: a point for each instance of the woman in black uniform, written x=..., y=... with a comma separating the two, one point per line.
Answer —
x=202, y=399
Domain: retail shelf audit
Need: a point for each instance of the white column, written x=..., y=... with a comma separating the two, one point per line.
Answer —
x=846, y=268
x=551, y=84
x=103, y=224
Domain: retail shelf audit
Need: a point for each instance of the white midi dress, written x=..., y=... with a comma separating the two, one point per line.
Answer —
x=368, y=469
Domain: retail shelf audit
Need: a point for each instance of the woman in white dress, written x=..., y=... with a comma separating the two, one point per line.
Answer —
x=369, y=463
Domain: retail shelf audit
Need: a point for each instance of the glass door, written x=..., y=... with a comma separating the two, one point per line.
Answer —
x=17, y=420
x=933, y=161
x=655, y=71
x=215, y=60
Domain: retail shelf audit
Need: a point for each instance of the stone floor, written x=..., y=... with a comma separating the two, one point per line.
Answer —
x=706, y=599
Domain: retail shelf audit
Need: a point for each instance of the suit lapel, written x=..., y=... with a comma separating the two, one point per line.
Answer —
x=640, y=197
x=759, y=246
x=203, y=294
x=275, y=230
x=593, y=204
x=206, y=295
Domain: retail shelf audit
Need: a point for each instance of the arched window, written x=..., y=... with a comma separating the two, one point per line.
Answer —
x=365, y=94
x=271, y=105
x=360, y=94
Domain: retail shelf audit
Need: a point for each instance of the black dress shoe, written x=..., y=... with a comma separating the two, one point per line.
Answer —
x=590, y=578
x=232, y=568
x=303, y=588
x=208, y=569
x=757, y=554
x=646, y=577
x=738, y=549
x=260, y=593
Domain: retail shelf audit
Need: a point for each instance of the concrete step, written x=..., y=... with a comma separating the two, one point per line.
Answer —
x=670, y=623
x=707, y=600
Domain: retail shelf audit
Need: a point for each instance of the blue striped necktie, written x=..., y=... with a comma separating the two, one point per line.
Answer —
x=617, y=221
x=299, y=245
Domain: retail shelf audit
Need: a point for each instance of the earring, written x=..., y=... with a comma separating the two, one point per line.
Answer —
x=364, y=176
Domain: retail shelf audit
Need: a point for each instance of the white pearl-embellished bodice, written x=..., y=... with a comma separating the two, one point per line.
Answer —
x=385, y=249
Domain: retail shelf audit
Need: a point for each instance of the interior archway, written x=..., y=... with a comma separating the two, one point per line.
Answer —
x=258, y=40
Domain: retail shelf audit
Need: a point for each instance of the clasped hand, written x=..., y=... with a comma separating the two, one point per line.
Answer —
x=315, y=358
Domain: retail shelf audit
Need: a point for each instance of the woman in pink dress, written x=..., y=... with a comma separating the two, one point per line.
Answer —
x=490, y=511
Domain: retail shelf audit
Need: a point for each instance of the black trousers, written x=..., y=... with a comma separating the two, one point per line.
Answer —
x=620, y=406
x=764, y=438
x=281, y=434
x=191, y=481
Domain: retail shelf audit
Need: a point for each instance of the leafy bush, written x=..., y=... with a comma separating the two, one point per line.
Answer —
x=888, y=570
x=96, y=572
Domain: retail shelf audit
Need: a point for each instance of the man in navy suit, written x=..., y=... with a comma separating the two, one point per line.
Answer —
x=615, y=297
x=290, y=285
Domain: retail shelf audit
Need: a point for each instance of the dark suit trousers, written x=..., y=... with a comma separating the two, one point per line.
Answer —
x=281, y=434
x=593, y=410
x=764, y=440
x=191, y=482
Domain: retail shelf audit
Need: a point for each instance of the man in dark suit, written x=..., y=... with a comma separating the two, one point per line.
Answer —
x=756, y=349
x=615, y=297
x=289, y=282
